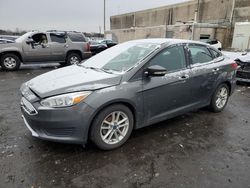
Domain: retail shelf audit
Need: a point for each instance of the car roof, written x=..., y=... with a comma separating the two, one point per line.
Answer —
x=162, y=41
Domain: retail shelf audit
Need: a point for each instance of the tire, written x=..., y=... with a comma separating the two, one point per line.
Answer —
x=73, y=58
x=63, y=64
x=108, y=136
x=10, y=62
x=218, y=95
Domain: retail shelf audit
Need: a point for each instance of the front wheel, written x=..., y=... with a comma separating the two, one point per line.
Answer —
x=220, y=98
x=10, y=62
x=112, y=127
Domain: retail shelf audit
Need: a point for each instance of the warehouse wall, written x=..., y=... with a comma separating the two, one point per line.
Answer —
x=175, y=21
x=210, y=10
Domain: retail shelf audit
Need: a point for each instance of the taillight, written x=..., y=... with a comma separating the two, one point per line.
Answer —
x=234, y=65
x=88, y=47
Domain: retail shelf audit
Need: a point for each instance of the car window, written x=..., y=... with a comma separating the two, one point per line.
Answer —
x=215, y=53
x=57, y=38
x=200, y=54
x=40, y=38
x=76, y=37
x=172, y=58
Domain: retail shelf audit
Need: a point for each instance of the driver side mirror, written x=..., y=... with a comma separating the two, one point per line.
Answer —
x=155, y=70
x=30, y=41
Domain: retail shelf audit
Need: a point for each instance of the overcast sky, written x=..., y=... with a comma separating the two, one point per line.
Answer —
x=80, y=15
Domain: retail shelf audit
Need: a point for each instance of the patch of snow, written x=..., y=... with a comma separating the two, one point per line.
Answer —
x=235, y=55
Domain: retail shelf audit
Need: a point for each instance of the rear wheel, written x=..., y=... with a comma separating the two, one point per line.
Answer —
x=112, y=127
x=220, y=98
x=73, y=58
x=10, y=62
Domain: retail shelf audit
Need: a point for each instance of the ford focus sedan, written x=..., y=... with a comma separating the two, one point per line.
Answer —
x=129, y=86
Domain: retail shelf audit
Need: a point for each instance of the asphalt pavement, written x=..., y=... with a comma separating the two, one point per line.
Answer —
x=198, y=149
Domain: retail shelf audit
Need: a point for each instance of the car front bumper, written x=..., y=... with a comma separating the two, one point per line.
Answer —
x=243, y=76
x=66, y=125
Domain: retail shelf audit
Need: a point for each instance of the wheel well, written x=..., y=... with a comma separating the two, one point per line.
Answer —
x=131, y=107
x=74, y=51
x=12, y=52
x=229, y=85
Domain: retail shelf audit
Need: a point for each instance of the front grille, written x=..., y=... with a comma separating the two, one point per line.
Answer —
x=28, y=93
x=243, y=74
x=28, y=107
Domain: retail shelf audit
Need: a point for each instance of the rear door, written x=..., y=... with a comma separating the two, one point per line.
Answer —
x=204, y=73
x=167, y=95
x=58, y=47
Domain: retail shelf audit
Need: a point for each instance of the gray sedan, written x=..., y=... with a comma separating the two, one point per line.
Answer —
x=129, y=86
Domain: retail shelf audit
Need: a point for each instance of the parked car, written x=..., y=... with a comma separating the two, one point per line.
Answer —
x=6, y=41
x=9, y=37
x=108, y=42
x=126, y=87
x=213, y=42
x=52, y=46
x=243, y=73
x=97, y=47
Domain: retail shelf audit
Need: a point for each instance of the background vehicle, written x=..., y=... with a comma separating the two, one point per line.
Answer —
x=51, y=46
x=9, y=37
x=97, y=47
x=108, y=42
x=126, y=87
x=213, y=42
x=243, y=72
x=4, y=41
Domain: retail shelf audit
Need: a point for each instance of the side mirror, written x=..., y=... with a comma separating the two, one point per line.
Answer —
x=30, y=41
x=155, y=70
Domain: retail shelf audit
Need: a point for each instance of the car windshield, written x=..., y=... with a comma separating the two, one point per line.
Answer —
x=120, y=58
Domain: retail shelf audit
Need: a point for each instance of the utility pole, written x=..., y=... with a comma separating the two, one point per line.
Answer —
x=104, y=16
x=232, y=12
x=197, y=12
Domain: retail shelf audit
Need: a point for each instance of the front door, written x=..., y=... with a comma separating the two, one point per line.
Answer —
x=39, y=51
x=166, y=96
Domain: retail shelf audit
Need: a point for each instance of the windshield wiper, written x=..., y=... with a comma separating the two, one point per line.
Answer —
x=97, y=69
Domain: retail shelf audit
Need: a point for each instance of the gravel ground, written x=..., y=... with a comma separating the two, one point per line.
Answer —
x=198, y=149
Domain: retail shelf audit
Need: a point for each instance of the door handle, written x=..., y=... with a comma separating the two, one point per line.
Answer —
x=184, y=77
x=66, y=45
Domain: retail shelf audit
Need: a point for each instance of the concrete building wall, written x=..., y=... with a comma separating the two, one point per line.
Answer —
x=175, y=21
x=210, y=10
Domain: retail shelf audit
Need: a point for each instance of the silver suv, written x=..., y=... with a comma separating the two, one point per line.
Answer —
x=42, y=47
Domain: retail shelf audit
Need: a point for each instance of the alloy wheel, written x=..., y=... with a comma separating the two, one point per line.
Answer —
x=9, y=62
x=74, y=60
x=221, y=97
x=114, y=127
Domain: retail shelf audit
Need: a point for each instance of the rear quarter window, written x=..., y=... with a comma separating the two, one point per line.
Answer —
x=200, y=54
x=76, y=37
x=215, y=53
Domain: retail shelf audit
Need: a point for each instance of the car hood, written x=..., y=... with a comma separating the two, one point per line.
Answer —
x=71, y=79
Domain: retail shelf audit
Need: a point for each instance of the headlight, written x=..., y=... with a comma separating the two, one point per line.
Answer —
x=65, y=99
